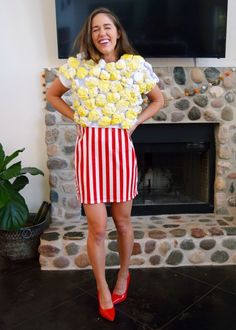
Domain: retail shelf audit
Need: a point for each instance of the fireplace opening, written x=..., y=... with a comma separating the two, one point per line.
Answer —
x=176, y=165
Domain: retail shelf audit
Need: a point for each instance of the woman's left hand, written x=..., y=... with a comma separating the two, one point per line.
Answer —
x=132, y=129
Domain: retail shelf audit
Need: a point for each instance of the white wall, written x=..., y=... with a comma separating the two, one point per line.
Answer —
x=28, y=44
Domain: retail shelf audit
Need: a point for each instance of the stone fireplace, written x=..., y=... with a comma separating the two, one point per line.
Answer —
x=187, y=160
x=176, y=168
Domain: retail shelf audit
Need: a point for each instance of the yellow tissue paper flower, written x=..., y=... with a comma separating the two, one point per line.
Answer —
x=115, y=75
x=120, y=64
x=127, y=57
x=133, y=65
x=142, y=87
x=95, y=71
x=113, y=97
x=82, y=111
x=76, y=104
x=116, y=87
x=104, y=86
x=93, y=115
x=104, y=121
x=91, y=82
x=138, y=58
x=83, y=121
x=93, y=92
x=149, y=85
x=104, y=75
x=81, y=72
x=125, y=94
x=88, y=64
x=126, y=124
x=128, y=73
x=122, y=105
x=64, y=71
x=108, y=109
x=73, y=62
x=110, y=67
x=101, y=100
x=117, y=118
x=82, y=93
x=90, y=104
x=130, y=114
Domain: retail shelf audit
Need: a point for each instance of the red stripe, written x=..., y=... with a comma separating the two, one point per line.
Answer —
x=87, y=167
x=128, y=170
x=121, y=164
x=98, y=196
x=81, y=167
x=94, y=165
x=107, y=145
x=114, y=165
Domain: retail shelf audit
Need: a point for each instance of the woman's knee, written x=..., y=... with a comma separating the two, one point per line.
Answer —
x=123, y=225
x=97, y=233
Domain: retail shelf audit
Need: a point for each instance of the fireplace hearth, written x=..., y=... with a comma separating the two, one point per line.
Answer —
x=176, y=168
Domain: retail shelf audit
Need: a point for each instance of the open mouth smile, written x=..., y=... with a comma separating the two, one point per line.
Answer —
x=104, y=41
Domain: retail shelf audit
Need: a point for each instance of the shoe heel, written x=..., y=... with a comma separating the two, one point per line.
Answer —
x=119, y=298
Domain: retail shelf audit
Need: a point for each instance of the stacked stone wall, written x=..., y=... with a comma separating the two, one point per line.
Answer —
x=192, y=95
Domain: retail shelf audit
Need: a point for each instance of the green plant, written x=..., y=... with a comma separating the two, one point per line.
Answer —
x=13, y=209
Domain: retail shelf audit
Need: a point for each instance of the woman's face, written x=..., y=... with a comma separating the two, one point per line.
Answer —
x=104, y=35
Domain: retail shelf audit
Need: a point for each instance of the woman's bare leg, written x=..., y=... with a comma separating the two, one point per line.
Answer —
x=121, y=213
x=97, y=219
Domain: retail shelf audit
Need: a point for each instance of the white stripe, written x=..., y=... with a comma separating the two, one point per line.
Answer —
x=135, y=170
x=90, y=174
x=97, y=188
x=104, y=197
x=110, y=138
x=76, y=167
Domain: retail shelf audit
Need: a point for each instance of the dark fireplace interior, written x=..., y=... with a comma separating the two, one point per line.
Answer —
x=176, y=168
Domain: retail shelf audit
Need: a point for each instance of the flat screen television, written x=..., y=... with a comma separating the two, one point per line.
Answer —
x=155, y=28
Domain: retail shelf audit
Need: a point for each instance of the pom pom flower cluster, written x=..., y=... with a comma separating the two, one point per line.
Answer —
x=108, y=94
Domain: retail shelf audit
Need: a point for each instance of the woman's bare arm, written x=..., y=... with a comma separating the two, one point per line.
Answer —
x=53, y=96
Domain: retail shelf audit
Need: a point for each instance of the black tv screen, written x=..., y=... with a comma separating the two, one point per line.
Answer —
x=155, y=28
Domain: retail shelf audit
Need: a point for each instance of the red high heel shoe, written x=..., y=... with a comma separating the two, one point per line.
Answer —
x=108, y=314
x=119, y=298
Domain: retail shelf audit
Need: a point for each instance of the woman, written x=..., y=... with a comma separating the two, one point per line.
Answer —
x=107, y=81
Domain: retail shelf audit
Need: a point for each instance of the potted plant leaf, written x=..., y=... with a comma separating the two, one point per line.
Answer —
x=19, y=230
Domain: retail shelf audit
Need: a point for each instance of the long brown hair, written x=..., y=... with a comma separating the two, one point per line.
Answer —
x=84, y=44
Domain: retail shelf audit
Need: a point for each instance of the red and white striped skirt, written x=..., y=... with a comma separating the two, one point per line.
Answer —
x=105, y=166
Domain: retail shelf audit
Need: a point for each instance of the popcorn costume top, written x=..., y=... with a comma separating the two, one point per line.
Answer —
x=107, y=94
x=106, y=99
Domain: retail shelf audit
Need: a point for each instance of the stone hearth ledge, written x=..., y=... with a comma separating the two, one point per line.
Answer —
x=160, y=241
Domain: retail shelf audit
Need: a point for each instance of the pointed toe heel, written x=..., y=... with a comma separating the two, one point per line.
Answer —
x=119, y=298
x=108, y=314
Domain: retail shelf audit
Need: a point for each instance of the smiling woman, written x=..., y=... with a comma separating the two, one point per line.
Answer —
x=107, y=82
x=105, y=36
